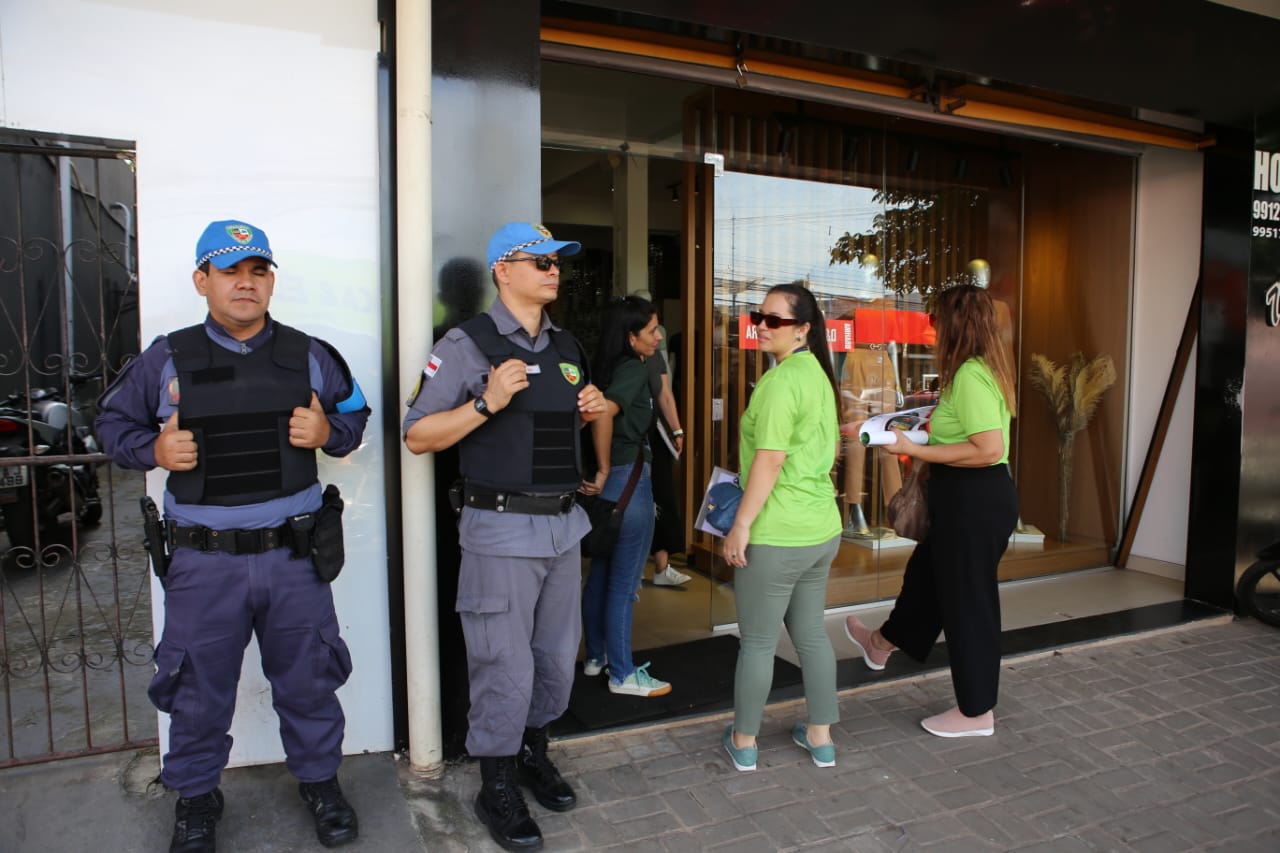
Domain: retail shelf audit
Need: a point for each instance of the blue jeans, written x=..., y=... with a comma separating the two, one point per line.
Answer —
x=609, y=596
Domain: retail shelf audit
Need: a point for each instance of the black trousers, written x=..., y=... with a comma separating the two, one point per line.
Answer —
x=950, y=583
x=668, y=528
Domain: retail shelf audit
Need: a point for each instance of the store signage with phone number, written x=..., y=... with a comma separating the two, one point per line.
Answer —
x=1266, y=229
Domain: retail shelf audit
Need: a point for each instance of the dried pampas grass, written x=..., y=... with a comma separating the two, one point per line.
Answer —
x=1073, y=392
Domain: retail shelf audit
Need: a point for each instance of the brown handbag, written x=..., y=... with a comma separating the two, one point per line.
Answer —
x=908, y=510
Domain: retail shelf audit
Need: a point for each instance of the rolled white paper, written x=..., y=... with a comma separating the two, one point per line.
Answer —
x=878, y=438
x=912, y=423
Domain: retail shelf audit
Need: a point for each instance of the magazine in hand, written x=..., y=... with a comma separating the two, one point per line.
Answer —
x=913, y=422
x=718, y=475
x=665, y=433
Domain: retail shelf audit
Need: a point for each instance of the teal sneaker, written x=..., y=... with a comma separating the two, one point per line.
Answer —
x=823, y=756
x=594, y=666
x=640, y=683
x=744, y=758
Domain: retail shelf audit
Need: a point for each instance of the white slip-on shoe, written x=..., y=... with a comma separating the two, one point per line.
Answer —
x=670, y=577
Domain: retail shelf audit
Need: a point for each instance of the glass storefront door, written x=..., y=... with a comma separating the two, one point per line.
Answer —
x=866, y=253
x=706, y=197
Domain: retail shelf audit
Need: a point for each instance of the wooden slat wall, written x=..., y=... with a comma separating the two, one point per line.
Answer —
x=1078, y=235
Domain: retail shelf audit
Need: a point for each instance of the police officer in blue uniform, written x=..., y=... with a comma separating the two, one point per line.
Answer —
x=234, y=410
x=511, y=389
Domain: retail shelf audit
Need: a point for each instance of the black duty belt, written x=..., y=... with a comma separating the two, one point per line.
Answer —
x=522, y=502
x=230, y=541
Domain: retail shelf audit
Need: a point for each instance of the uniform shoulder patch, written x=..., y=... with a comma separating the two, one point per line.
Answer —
x=433, y=364
x=417, y=389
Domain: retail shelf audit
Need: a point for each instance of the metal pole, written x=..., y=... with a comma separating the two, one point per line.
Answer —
x=417, y=473
x=68, y=280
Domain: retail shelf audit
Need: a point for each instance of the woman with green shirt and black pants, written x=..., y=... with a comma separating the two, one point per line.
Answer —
x=951, y=580
x=787, y=529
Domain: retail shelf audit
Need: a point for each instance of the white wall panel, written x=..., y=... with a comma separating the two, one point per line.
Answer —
x=267, y=112
x=1167, y=262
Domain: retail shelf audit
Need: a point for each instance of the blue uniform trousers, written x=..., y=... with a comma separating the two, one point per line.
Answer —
x=212, y=603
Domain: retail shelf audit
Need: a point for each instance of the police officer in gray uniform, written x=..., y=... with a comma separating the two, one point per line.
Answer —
x=511, y=389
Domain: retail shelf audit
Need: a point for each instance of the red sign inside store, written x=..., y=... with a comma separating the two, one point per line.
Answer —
x=868, y=326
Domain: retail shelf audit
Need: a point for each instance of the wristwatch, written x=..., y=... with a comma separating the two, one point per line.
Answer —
x=678, y=434
x=482, y=407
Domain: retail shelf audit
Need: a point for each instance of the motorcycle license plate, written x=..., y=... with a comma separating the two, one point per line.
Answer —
x=13, y=477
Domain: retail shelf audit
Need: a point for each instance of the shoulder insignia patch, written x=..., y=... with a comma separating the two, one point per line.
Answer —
x=433, y=364
x=417, y=389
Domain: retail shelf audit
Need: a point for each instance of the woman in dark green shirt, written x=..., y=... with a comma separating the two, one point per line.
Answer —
x=630, y=336
x=950, y=583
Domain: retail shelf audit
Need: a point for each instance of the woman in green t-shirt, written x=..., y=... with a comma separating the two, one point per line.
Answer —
x=787, y=529
x=950, y=582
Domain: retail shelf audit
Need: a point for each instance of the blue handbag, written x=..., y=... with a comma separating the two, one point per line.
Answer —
x=722, y=504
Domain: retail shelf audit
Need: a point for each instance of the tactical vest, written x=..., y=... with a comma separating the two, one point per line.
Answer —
x=239, y=405
x=531, y=445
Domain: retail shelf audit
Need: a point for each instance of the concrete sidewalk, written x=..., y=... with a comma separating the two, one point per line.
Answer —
x=1156, y=742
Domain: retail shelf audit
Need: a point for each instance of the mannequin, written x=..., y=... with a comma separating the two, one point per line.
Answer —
x=868, y=386
x=980, y=275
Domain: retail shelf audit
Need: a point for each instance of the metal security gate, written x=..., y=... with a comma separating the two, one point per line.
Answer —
x=75, y=608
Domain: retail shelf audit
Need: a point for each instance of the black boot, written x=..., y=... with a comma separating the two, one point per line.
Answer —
x=336, y=822
x=501, y=807
x=196, y=823
x=538, y=774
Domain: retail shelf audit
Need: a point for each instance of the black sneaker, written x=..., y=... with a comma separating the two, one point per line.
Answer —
x=336, y=822
x=196, y=822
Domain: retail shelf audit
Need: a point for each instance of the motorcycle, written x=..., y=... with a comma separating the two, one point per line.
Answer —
x=46, y=426
x=1258, y=591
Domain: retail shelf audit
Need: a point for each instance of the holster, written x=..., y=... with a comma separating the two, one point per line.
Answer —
x=155, y=538
x=455, y=497
x=327, y=551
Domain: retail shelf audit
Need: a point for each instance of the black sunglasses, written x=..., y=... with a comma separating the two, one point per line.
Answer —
x=542, y=262
x=773, y=321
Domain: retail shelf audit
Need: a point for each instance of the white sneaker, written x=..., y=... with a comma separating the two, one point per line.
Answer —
x=593, y=667
x=670, y=577
x=640, y=683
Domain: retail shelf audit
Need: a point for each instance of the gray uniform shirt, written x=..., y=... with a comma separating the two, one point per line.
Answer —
x=457, y=372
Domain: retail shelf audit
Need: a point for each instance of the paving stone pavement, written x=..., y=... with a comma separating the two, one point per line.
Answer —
x=1156, y=742
x=1161, y=742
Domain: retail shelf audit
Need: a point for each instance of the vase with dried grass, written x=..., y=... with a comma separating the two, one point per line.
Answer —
x=1073, y=392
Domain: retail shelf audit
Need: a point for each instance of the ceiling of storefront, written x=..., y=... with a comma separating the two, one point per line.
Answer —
x=1204, y=60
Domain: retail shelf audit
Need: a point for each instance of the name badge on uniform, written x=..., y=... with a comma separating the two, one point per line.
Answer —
x=532, y=368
